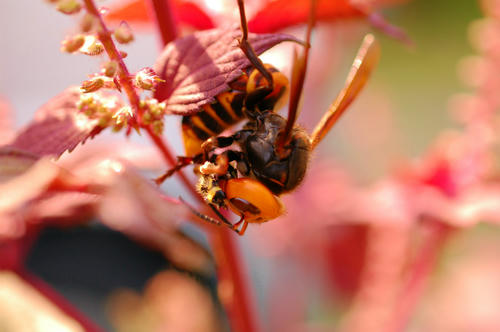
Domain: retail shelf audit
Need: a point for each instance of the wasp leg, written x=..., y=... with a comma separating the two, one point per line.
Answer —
x=243, y=228
x=221, y=216
x=216, y=142
x=181, y=163
x=234, y=227
x=241, y=164
x=248, y=49
x=204, y=217
x=221, y=165
x=219, y=168
x=200, y=215
x=221, y=142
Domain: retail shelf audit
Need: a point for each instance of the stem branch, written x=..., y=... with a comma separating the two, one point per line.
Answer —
x=233, y=286
x=171, y=161
x=124, y=76
x=165, y=20
x=420, y=272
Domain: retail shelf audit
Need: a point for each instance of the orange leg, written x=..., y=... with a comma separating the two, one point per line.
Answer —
x=181, y=163
x=243, y=228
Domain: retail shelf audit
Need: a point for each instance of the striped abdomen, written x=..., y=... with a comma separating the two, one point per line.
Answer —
x=227, y=110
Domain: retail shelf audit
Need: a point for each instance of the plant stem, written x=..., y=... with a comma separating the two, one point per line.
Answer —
x=373, y=305
x=123, y=74
x=233, y=286
x=170, y=159
x=420, y=272
x=165, y=20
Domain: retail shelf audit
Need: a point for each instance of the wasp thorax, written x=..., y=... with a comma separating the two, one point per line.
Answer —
x=280, y=171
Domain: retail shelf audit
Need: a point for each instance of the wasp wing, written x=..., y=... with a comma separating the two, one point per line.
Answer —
x=361, y=70
x=298, y=77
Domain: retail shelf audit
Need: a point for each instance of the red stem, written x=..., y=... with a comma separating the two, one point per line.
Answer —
x=43, y=288
x=237, y=300
x=165, y=20
x=420, y=272
x=171, y=161
x=126, y=83
x=226, y=252
x=124, y=76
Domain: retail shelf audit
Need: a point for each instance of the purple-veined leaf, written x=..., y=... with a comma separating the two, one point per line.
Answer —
x=57, y=127
x=198, y=67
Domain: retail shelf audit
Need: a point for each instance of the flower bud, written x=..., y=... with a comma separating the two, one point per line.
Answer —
x=69, y=6
x=109, y=68
x=147, y=79
x=155, y=108
x=72, y=44
x=157, y=127
x=92, y=46
x=92, y=84
x=123, y=34
x=122, y=117
x=87, y=22
x=147, y=118
x=101, y=107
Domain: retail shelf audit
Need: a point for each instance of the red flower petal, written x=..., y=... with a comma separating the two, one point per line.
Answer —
x=280, y=14
x=276, y=15
x=136, y=11
x=192, y=15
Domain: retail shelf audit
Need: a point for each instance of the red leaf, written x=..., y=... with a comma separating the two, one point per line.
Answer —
x=136, y=11
x=277, y=15
x=57, y=127
x=199, y=66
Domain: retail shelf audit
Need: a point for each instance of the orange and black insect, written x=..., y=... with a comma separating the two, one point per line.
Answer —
x=249, y=92
x=272, y=152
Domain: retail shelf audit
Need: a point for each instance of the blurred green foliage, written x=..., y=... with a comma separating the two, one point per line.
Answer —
x=423, y=78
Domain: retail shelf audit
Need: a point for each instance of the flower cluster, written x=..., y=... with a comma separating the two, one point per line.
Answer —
x=106, y=109
x=90, y=41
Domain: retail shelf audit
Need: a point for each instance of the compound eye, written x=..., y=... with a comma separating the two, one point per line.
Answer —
x=244, y=206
